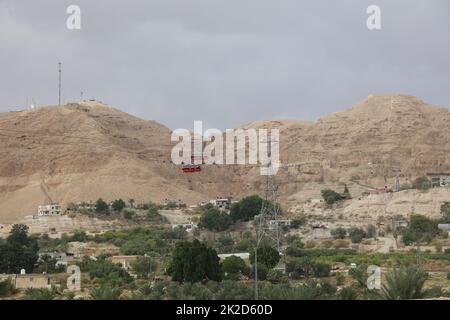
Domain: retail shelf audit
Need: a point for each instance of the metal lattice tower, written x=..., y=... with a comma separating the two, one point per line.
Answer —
x=267, y=233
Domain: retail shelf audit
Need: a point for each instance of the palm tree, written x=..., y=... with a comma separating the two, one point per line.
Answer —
x=105, y=293
x=404, y=283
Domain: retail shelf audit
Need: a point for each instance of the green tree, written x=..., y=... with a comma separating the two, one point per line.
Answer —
x=118, y=205
x=246, y=209
x=101, y=206
x=144, y=266
x=420, y=229
x=356, y=234
x=404, y=283
x=331, y=196
x=267, y=256
x=194, y=262
x=235, y=265
x=422, y=183
x=19, y=251
x=215, y=220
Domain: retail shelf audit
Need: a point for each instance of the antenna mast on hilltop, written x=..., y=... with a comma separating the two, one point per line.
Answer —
x=60, y=71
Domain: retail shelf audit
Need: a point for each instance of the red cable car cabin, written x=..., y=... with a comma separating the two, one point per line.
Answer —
x=191, y=168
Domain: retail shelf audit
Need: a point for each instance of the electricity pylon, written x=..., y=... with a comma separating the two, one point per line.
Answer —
x=268, y=233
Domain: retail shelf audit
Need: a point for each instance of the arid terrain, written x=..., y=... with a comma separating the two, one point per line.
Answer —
x=87, y=150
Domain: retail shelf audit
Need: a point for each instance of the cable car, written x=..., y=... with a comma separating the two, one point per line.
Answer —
x=191, y=168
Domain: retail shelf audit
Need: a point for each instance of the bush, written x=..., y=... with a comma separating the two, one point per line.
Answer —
x=79, y=235
x=339, y=233
x=331, y=196
x=422, y=183
x=340, y=278
x=276, y=276
x=321, y=270
x=105, y=293
x=39, y=294
x=6, y=288
x=371, y=231
x=348, y=293
x=356, y=235
x=298, y=222
x=129, y=214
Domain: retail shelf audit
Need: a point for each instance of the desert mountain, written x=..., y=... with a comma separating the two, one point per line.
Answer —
x=87, y=150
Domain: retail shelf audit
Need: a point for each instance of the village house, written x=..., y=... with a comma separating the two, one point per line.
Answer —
x=189, y=227
x=221, y=203
x=124, y=261
x=31, y=281
x=280, y=223
x=243, y=255
x=53, y=209
x=439, y=179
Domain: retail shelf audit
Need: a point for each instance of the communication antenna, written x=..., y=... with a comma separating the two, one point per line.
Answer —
x=60, y=71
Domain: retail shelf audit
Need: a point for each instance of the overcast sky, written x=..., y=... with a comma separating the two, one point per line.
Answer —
x=226, y=62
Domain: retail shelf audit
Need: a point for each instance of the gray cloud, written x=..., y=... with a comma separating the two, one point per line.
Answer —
x=225, y=62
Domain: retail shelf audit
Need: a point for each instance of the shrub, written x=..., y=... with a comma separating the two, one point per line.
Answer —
x=321, y=269
x=39, y=294
x=339, y=233
x=298, y=222
x=331, y=196
x=6, y=288
x=356, y=235
x=276, y=276
x=347, y=293
x=105, y=293
x=310, y=244
x=422, y=183
x=340, y=278
x=129, y=214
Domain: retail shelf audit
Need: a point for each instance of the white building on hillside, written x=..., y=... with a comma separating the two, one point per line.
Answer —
x=53, y=209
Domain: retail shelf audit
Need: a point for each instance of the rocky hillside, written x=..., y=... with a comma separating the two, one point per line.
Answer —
x=88, y=150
